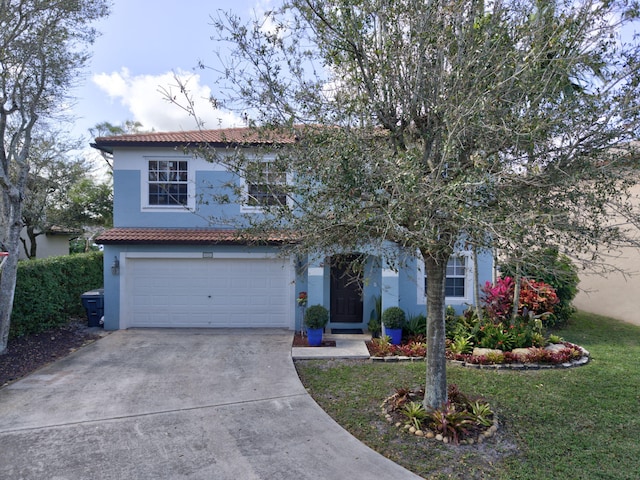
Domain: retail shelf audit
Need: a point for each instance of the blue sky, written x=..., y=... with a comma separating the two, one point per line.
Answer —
x=143, y=42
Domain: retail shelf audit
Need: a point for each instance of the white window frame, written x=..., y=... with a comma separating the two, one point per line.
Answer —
x=145, y=182
x=468, y=281
x=245, y=207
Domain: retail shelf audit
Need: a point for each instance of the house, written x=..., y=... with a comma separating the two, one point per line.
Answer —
x=51, y=243
x=613, y=294
x=167, y=265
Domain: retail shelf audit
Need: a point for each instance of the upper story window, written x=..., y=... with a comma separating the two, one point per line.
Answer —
x=168, y=183
x=264, y=184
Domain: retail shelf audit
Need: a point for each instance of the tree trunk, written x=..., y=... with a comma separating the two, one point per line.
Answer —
x=476, y=282
x=516, y=294
x=33, y=245
x=435, y=395
x=10, y=269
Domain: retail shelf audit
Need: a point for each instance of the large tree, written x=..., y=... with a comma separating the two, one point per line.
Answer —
x=43, y=46
x=428, y=123
x=53, y=171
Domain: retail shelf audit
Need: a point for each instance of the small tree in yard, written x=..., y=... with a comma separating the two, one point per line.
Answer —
x=425, y=123
x=42, y=48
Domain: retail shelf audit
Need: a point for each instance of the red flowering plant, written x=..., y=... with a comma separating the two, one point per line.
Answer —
x=302, y=299
x=536, y=298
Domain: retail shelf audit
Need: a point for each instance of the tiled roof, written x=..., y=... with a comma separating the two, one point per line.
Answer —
x=190, y=236
x=219, y=137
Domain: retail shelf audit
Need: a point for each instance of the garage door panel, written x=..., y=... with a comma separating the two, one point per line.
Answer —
x=208, y=292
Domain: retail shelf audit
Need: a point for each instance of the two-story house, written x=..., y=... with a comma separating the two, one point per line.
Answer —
x=168, y=265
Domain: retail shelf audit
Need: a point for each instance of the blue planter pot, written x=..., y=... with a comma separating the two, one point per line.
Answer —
x=314, y=336
x=395, y=334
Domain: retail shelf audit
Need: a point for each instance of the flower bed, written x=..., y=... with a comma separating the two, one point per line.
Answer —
x=555, y=355
x=459, y=421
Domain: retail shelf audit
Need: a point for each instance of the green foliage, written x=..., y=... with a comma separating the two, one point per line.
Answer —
x=481, y=412
x=556, y=270
x=495, y=336
x=415, y=326
x=316, y=316
x=415, y=413
x=553, y=338
x=48, y=290
x=375, y=318
x=461, y=344
x=461, y=325
x=393, y=317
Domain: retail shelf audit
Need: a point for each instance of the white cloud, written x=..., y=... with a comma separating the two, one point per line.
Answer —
x=145, y=96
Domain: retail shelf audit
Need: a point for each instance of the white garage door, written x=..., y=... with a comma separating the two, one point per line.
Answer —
x=208, y=292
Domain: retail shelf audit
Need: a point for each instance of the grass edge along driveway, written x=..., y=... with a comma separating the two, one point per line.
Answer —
x=579, y=423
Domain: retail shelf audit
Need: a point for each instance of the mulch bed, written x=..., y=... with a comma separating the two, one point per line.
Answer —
x=301, y=341
x=31, y=352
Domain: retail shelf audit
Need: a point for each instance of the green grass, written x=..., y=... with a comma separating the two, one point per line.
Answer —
x=579, y=423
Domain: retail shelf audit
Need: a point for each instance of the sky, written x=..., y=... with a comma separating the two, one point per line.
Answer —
x=143, y=43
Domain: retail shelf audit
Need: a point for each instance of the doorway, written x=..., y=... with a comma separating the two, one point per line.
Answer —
x=346, y=289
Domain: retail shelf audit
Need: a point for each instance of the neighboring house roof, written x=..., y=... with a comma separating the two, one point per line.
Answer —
x=191, y=236
x=212, y=138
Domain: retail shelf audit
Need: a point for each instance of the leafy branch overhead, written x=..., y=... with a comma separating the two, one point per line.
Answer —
x=502, y=125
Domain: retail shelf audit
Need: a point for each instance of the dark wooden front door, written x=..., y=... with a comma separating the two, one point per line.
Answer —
x=346, y=291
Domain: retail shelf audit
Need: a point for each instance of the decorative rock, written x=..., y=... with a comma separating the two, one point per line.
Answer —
x=445, y=440
x=412, y=430
x=439, y=437
x=555, y=347
x=471, y=441
x=419, y=433
x=429, y=434
x=478, y=352
x=398, y=424
x=407, y=426
x=522, y=352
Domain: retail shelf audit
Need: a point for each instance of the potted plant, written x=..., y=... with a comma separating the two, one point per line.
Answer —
x=315, y=319
x=393, y=319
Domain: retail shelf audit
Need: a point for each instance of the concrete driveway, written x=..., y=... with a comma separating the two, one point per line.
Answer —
x=173, y=404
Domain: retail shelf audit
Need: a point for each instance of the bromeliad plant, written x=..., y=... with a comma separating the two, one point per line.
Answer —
x=459, y=419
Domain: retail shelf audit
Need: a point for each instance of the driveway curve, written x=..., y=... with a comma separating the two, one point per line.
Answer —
x=177, y=404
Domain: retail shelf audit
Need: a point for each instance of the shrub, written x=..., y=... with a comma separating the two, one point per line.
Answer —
x=535, y=297
x=316, y=316
x=393, y=317
x=415, y=326
x=556, y=270
x=48, y=291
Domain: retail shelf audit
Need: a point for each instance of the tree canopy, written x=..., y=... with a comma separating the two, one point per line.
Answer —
x=506, y=125
x=43, y=46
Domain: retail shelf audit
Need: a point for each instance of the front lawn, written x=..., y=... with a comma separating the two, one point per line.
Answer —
x=579, y=423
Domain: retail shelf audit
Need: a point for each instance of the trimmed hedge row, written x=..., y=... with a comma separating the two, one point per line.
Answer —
x=48, y=291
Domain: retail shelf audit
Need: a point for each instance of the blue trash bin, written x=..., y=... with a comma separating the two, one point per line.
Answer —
x=93, y=303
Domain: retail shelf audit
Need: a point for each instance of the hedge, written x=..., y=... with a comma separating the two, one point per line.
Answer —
x=48, y=291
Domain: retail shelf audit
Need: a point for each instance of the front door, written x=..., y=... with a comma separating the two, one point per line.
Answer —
x=346, y=290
